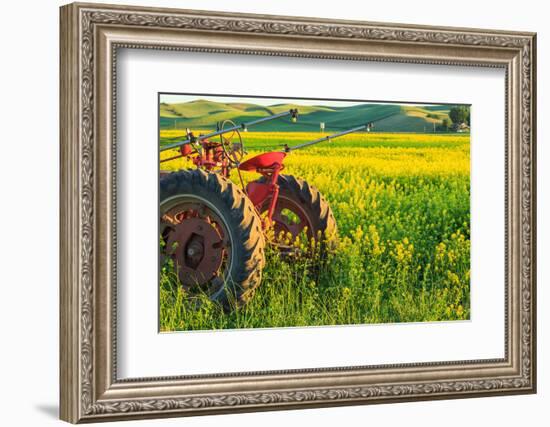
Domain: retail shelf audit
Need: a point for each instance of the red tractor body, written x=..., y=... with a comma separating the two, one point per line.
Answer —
x=214, y=231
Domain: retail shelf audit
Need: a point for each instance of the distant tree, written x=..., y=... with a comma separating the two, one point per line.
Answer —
x=459, y=115
x=446, y=123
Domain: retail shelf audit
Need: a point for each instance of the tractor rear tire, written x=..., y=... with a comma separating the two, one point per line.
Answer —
x=233, y=216
x=321, y=221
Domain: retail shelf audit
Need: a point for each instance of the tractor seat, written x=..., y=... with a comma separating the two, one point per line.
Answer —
x=263, y=161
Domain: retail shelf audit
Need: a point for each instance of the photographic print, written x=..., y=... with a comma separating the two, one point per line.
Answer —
x=278, y=212
x=326, y=242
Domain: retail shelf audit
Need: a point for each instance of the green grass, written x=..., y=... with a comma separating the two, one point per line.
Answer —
x=202, y=114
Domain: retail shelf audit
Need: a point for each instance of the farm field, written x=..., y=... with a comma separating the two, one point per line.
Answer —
x=200, y=114
x=402, y=205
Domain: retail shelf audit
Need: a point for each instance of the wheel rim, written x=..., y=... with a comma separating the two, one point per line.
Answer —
x=198, y=241
x=289, y=217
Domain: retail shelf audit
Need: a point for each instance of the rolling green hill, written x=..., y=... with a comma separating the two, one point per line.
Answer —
x=204, y=114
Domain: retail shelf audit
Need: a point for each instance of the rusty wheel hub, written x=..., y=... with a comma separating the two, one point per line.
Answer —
x=288, y=217
x=197, y=247
x=289, y=220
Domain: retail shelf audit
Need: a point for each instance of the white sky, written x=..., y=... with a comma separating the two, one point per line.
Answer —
x=176, y=98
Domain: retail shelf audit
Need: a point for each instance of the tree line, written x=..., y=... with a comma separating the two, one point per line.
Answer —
x=458, y=115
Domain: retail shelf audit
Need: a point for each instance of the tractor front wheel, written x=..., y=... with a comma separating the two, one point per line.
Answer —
x=213, y=234
x=301, y=210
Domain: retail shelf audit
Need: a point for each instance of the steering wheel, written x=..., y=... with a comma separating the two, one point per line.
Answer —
x=232, y=143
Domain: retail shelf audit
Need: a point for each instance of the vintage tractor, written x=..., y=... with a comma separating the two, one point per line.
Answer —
x=215, y=231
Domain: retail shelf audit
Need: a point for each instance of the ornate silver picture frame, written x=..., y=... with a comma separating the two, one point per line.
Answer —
x=91, y=35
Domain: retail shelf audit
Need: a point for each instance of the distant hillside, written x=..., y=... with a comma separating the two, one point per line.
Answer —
x=203, y=114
